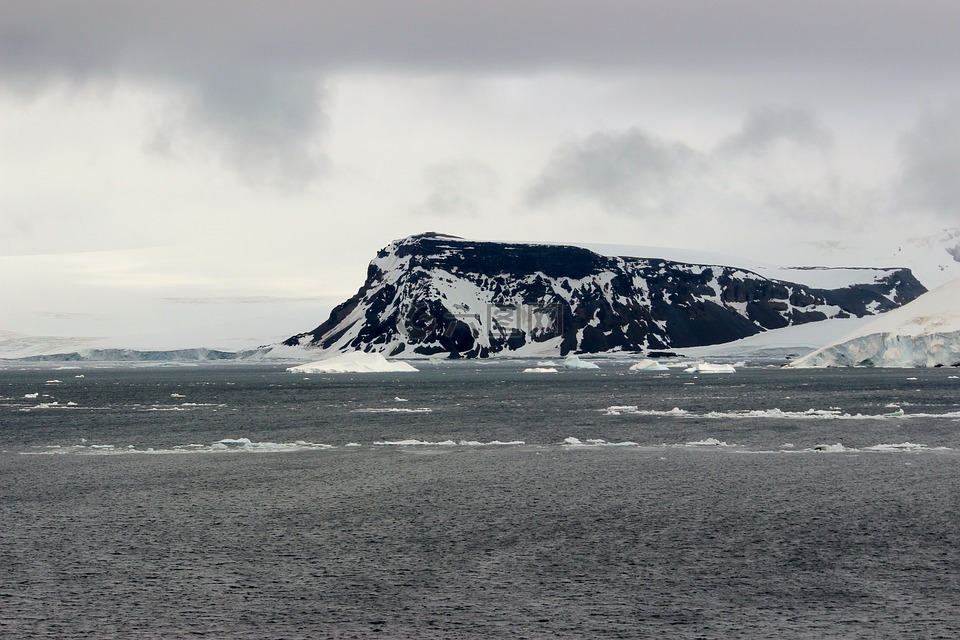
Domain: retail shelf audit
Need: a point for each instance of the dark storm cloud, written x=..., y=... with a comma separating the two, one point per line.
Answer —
x=626, y=172
x=930, y=157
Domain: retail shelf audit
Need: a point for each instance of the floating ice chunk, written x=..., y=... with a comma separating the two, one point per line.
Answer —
x=355, y=362
x=574, y=362
x=392, y=410
x=54, y=381
x=177, y=395
x=706, y=367
x=708, y=442
x=831, y=448
x=399, y=399
x=246, y=445
x=540, y=370
x=648, y=364
x=31, y=396
x=595, y=442
x=903, y=446
x=415, y=443
x=616, y=410
x=234, y=442
x=352, y=444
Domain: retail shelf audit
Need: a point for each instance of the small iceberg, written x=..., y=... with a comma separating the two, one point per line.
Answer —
x=708, y=442
x=574, y=362
x=354, y=362
x=831, y=448
x=706, y=367
x=649, y=365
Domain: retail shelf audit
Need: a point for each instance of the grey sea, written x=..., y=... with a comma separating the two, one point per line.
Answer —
x=472, y=500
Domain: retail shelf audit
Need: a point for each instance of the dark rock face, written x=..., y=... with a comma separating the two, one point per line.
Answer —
x=430, y=294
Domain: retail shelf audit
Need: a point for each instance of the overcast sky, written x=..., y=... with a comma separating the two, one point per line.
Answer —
x=164, y=159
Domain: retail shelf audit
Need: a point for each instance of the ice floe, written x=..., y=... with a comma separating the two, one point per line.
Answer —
x=392, y=410
x=595, y=442
x=831, y=448
x=225, y=445
x=445, y=443
x=709, y=442
x=540, y=370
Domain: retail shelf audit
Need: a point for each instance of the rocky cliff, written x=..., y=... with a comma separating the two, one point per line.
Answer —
x=431, y=294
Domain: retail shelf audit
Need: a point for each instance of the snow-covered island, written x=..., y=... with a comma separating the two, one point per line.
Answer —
x=432, y=297
x=437, y=295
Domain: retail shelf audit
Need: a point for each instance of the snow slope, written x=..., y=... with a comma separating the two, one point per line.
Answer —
x=923, y=333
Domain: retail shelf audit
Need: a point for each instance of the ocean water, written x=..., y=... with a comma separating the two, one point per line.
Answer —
x=472, y=500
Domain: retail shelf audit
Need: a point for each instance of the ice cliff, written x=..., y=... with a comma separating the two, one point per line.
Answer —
x=923, y=333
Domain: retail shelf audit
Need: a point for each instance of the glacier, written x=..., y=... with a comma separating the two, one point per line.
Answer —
x=922, y=333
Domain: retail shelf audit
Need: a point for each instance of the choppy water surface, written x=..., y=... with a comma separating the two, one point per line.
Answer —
x=472, y=500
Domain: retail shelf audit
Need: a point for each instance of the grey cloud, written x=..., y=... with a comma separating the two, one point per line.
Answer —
x=869, y=35
x=459, y=187
x=930, y=157
x=765, y=127
x=264, y=127
x=626, y=172
x=244, y=65
x=632, y=172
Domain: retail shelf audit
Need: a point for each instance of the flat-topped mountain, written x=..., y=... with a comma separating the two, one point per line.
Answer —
x=430, y=294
